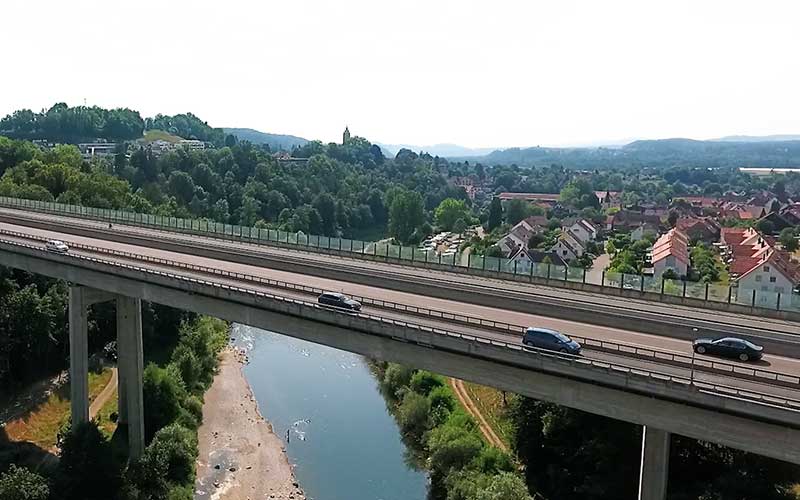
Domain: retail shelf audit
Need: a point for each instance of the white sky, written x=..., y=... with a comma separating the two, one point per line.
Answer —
x=476, y=73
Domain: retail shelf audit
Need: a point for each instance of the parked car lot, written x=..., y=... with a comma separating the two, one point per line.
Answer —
x=729, y=347
x=552, y=340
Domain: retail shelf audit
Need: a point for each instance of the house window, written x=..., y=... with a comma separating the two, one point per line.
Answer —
x=564, y=252
x=766, y=269
x=772, y=279
x=758, y=277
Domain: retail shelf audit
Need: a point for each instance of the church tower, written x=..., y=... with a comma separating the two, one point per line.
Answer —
x=346, y=135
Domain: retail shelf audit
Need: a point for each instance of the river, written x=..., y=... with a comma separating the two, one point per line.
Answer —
x=342, y=440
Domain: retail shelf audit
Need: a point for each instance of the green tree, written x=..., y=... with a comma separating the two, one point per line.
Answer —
x=163, y=396
x=460, y=226
x=18, y=483
x=87, y=469
x=449, y=211
x=423, y=382
x=516, y=210
x=412, y=414
x=495, y=214
x=405, y=215
x=788, y=239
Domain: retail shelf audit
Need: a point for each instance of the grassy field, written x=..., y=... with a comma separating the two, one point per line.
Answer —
x=41, y=426
x=155, y=135
x=490, y=403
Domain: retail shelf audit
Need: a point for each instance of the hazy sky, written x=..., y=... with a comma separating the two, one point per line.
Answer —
x=476, y=73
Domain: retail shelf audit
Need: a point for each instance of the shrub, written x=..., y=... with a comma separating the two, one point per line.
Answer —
x=163, y=398
x=424, y=382
x=21, y=484
x=452, y=447
x=396, y=377
x=413, y=414
x=493, y=460
x=87, y=469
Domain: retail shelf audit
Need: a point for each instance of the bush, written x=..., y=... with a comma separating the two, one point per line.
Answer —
x=167, y=465
x=87, y=469
x=21, y=484
x=493, y=460
x=189, y=367
x=424, y=382
x=396, y=377
x=413, y=414
x=470, y=485
x=163, y=398
x=452, y=447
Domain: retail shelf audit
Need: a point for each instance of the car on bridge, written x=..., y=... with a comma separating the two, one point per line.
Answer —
x=339, y=300
x=56, y=246
x=551, y=340
x=729, y=347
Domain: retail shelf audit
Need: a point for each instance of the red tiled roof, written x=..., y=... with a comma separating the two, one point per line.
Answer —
x=674, y=243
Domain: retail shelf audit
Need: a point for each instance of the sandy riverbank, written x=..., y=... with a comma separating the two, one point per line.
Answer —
x=240, y=457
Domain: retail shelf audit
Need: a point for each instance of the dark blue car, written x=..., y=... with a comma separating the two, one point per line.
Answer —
x=551, y=340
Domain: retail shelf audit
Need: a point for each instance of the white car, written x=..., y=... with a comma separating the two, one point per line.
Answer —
x=56, y=246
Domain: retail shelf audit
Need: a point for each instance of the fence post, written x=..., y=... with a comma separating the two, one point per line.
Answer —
x=730, y=293
x=484, y=262
x=515, y=267
x=351, y=246
x=706, y=292
x=439, y=256
x=621, y=280
x=387, y=252
x=684, y=288
x=662, y=284
x=566, y=273
x=753, y=303
x=400, y=254
x=584, y=276
x=413, y=251
x=641, y=283
x=548, y=270
x=469, y=260
x=778, y=304
x=603, y=278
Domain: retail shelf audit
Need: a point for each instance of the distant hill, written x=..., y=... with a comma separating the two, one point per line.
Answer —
x=655, y=153
x=443, y=150
x=275, y=141
x=758, y=138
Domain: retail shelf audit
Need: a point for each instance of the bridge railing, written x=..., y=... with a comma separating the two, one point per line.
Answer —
x=641, y=286
x=619, y=348
x=534, y=359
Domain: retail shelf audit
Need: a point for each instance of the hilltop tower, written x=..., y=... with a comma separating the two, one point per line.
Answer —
x=346, y=135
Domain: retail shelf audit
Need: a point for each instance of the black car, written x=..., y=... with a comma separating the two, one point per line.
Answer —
x=730, y=347
x=544, y=338
x=340, y=300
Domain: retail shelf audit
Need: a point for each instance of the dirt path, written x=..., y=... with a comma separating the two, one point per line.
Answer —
x=463, y=396
x=240, y=457
x=108, y=391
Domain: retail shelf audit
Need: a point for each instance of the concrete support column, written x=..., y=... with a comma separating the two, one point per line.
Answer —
x=122, y=401
x=130, y=366
x=78, y=356
x=655, y=464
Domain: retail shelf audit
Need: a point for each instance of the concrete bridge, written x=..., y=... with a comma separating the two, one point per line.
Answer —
x=736, y=409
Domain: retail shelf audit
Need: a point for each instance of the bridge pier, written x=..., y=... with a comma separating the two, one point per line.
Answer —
x=655, y=464
x=130, y=368
x=129, y=351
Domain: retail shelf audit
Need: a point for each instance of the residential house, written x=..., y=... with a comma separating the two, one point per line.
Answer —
x=671, y=251
x=568, y=247
x=628, y=220
x=521, y=233
x=583, y=230
x=703, y=229
x=609, y=199
x=755, y=263
x=526, y=256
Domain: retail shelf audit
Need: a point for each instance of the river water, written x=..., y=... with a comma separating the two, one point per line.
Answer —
x=342, y=440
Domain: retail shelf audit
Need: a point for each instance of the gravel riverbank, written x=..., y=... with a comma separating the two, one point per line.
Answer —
x=240, y=458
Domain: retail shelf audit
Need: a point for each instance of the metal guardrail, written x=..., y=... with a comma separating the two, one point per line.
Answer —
x=638, y=352
x=179, y=238
x=712, y=388
x=655, y=291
